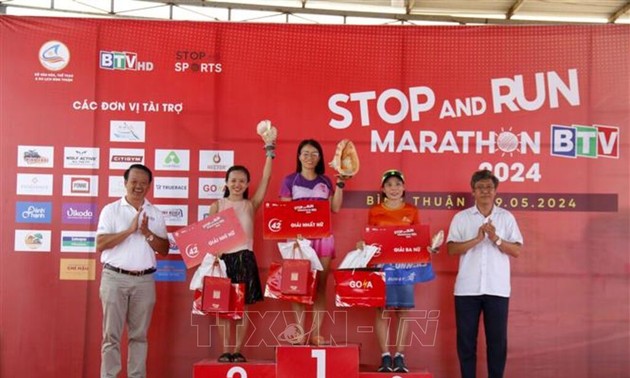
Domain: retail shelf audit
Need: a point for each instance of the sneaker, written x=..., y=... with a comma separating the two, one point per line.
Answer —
x=386, y=364
x=238, y=357
x=399, y=365
x=225, y=357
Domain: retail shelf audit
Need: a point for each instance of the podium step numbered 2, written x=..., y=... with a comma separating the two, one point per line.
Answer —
x=299, y=362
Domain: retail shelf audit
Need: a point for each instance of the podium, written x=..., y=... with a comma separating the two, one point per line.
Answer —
x=317, y=361
x=303, y=361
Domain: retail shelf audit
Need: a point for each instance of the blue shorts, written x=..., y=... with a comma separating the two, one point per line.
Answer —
x=399, y=296
x=405, y=274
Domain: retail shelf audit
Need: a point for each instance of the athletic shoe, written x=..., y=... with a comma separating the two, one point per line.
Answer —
x=399, y=365
x=386, y=364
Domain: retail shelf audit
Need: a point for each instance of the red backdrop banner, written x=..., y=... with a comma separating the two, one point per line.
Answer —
x=546, y=108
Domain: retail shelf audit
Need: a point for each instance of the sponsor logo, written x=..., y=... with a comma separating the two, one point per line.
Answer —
x=127, y=131
x=81, y=186
x=274, y=225
x=123, y=61
x=123, y=158
x=196, y=62
x=78, y=213
x=32, y=241
x=192, y=250
x=172, y=160
x=170, y=271
x=35, y=156
x=126, y=159
x=215, y=161
x=78, y=241
x=365, y=284
x=585, y=141
x=306, y=209
x=77, y=269
x=54, y=55
x=81, y=157
x=407, y=233
x=34, y=184
x=33, y=212
x=210, y=188
x=174, y=215
x=170, y=187
x=116, y=186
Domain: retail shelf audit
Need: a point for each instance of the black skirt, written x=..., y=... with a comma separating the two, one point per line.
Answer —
x=242, y=268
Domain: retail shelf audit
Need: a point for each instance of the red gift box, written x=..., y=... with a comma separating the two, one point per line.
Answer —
x=237, y=303
x=295, y=275
x=216, y=294
x=360, y=288
x=273, y=286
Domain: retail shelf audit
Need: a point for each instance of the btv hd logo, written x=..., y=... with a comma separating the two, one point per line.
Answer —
x=123, y=61
x=585, y=141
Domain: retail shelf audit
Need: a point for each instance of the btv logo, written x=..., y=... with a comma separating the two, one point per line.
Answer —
x=123, y=61
x=585, y=141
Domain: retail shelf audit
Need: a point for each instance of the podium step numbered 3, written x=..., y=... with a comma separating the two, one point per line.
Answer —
x=299, y=362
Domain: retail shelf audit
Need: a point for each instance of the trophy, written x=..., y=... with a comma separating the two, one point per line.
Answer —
x=269, y=134
x=346, y=160
x=436, y=242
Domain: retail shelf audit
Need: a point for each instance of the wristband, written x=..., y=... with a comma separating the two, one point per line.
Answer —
x=270, y=150
x=340, y=184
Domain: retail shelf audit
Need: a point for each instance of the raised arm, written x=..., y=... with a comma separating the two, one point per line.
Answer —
x=261, y=191
x=337, y=198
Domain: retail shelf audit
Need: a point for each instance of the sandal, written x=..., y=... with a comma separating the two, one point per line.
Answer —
x=225, y=357
x=238, y=357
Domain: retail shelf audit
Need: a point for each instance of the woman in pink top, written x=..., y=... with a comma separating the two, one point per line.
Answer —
x=309, y=182
x=240, y=262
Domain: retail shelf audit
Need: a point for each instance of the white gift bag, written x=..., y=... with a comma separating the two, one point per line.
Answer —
x=205, y=269
x=308, y=253
x=358, y=258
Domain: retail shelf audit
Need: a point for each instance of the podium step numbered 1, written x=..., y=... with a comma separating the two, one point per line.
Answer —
x=317, y=362
x=299, y=362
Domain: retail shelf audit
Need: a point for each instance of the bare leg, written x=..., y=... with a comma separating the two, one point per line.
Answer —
x=402, y=334
x=240, y=331
x=298, y=308
x=382, y=329
x=320, y=302
x=224, y=334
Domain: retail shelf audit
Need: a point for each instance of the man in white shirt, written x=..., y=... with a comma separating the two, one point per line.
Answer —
x=129, y=231
x=484, y=237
